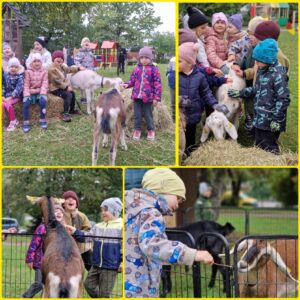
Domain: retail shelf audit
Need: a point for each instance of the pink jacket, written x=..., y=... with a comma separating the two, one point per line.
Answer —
x=36, y=82
x=216, y=49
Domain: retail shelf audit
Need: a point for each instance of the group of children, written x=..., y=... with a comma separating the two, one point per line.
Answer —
x=46, y=73
x=102, y=263
x=206, y=55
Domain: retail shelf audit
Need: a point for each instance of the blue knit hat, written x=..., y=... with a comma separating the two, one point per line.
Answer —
x=237, y=21
x=266, y=51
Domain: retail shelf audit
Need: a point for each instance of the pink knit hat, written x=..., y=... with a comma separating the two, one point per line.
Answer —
x=218, y=17
x=188, y=52
x=36, y=56
x=147, y=52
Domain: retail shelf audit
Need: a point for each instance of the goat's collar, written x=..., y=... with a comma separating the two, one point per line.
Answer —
x=102, y=81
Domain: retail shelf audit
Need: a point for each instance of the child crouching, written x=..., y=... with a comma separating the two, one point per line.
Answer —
x=35, y=91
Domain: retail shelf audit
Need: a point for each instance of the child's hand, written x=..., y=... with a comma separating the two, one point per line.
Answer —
x=8, y=99
x=218, y=72
x=82, y=68
x=70, y=89
x=231, y=58
x=30, y=265
x=205, y=257
x=70, y=229
x=229, y=80
x=124, y=85
x=155, y=102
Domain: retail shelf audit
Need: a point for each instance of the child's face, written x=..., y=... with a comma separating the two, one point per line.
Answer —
x=58, y=215
x=184, y=66
x=58, y=61
x=86, y=45
x=260, y=65
x=7, y=52
x=13, y=70
x=253, y=40
x=70, y=204
x=173, y=201
x=37, y=64
x=37, y=46
x=220, y=26
x=145, y=61
x=106, y=215
x=231, y=29
x=200, y=30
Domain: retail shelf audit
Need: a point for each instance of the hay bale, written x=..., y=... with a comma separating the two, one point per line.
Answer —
x=55, y=106
x=161, y=115
x=230, y=153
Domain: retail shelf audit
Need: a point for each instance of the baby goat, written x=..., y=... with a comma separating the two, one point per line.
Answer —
x=62, y=265
x=110, y=119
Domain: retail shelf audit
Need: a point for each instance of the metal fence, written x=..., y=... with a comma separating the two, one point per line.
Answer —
x=257, y=271
x=17, y=277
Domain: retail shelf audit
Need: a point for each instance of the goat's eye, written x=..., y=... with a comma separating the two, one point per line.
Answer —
x=219, y=126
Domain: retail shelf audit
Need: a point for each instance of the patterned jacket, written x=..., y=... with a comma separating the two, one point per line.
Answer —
x=107, y=253
x=216, y=49
x=195, y=87
x=146, y=244
x=35, y=251
x=146, y=83
x=85, y=58
x=239, y=44
x=272, y=97
x=12, y=85
x=36, y=82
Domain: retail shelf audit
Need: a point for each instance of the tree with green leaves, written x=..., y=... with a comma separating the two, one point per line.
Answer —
x=164, y=43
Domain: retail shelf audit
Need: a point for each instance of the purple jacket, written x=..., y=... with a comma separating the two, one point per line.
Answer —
x=146, y=83
x=35, y=252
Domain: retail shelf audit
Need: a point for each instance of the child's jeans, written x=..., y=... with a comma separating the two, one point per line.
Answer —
x=68, y=97
x=100, y=282
x=139, y=107
x=26, y=105
x=267, y=140
x=8, y=105
x=36, y=287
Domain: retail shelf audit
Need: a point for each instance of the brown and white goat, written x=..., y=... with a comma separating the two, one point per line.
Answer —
x=268, y=269
x=110, y=119
x=62, y=266
x=89, y=81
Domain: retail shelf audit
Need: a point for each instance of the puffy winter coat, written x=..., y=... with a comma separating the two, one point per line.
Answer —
x=36, y=82
x=85, y=58
x=12, y=85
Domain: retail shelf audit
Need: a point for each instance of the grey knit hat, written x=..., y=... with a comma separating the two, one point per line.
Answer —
x=113, y=205
x=204, y=187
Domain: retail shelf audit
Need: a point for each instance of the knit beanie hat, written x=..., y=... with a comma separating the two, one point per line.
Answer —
x=266, y=51
x=204, y=187
x=113, y=205
x=71, y=194
x=14, y=62
x=85, y=40
x=266, y=30
x=58, y=206
x=188, y=52
x=237, y=21
x=147, y=52
x=56, y=54
x=6, y=45
x=187, y=35
x=253, y=23
x=36, y=56
x=42, y=40
x=164, y=181
x=196, y=18
x=218, y=17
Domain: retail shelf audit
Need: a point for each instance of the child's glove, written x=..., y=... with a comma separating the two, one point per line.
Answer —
x=221, y=108
x=225, y=69
x=233, y=93
x=275, y=127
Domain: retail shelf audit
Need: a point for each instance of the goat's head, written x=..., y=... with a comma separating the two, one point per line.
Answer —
x=219, y=125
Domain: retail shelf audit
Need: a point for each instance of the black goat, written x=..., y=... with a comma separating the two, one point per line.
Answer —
x=212, y=244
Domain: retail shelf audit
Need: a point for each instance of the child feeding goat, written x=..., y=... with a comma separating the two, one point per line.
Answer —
x=62, y=266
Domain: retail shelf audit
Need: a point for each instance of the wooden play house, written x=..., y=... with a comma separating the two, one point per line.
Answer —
x=13, y=22
x=109, y=54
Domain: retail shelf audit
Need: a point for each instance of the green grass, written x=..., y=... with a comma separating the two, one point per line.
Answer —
x=16, y=276
x=70, y=144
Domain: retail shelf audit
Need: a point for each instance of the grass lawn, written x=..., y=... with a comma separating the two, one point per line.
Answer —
x=289, y=140
x=70, y=144
x=16, y=276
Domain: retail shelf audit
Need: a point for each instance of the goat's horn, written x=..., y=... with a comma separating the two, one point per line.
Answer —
x=32, y=199
x=58, y=200
x=279, y=262
x=240, y=248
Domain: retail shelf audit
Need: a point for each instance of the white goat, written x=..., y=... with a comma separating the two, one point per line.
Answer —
x=89, y=81
x=215, y=122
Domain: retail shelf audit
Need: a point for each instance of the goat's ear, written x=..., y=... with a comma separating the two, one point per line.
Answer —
x=58, y=200
x=32, y=199
x=205, y=132
x=230, y=129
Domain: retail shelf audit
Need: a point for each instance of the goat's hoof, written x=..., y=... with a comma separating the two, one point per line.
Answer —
x=104, y=145
x=124, y=147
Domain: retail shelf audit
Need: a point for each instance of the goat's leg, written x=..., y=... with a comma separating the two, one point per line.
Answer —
x=96, y=143
x=123, y=141
x=88, y=101
x=113, y=149
x=105, y=140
